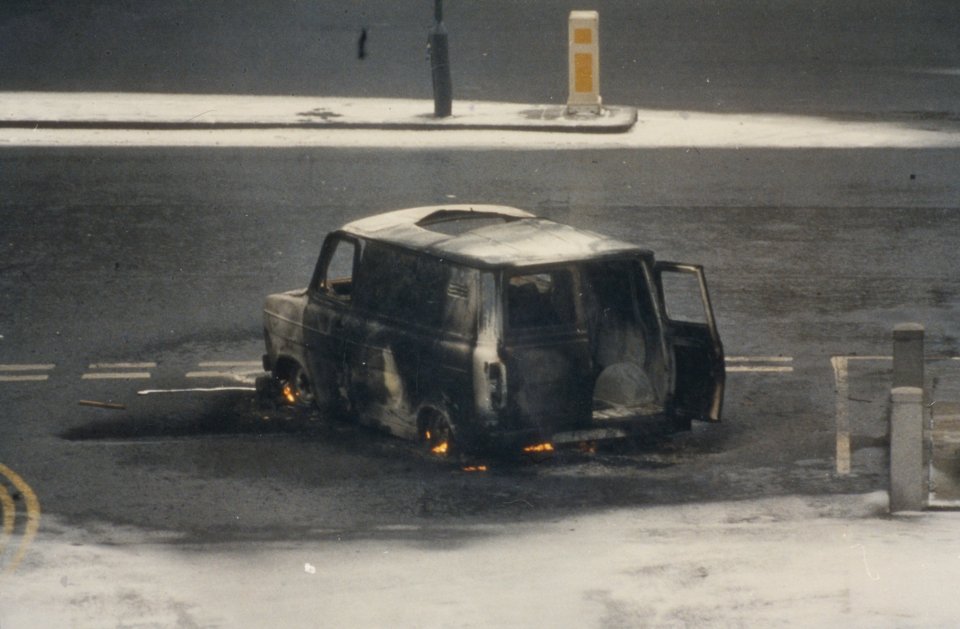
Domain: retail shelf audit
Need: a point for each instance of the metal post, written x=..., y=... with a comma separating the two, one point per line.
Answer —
x=440, y=64
x=907, y=482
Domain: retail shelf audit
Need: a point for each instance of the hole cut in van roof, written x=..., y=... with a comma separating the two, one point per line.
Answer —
x=457, y=222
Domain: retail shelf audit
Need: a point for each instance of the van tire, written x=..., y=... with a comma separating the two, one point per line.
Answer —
x=294, y=375
x=437, y=434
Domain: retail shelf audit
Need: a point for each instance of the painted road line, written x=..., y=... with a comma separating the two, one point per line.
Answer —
x=99, y=371
x=212, y=374
x=33, y=514
x=9, y=517
x=840, y=370
x=232, y=363
x=109, y=375
x=763, y=364
x=759, y=359
x=245, y=371
x=14, y=372
x=25, y=378
x=195, y=390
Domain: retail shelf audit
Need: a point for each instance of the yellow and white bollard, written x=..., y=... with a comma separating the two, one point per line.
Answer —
x=584, y=38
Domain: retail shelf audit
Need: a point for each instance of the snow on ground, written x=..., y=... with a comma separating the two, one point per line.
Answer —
x=795, y=561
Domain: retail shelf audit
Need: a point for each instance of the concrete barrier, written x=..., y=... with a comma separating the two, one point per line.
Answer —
x=908, y=485
x=584, y=63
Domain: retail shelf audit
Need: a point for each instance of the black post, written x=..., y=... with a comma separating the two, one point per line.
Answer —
x=440, y=64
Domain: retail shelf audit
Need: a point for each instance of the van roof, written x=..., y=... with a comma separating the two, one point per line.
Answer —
x=509, y=236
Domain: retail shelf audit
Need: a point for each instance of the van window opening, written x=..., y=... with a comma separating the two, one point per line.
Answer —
x=681, y=295
x=402, y=285
x=338, y=276
x=540, y=300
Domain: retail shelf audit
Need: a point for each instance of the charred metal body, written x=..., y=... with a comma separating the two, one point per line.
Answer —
x=480, y=325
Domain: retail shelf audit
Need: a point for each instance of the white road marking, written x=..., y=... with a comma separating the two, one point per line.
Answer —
x=17, y=375
x=112, y=375
x=244, y=371
x=759, y=359
x=232, y=363
x=213, y=374
x=840, y=370
x=38, y=367
x=119, y=375
x=25, y=378
x=194, y=390
x=759, y=368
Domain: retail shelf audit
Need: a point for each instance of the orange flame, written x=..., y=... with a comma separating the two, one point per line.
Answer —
x=475, y=468
x=441, y=448
x=288, y=394
x=540, y=447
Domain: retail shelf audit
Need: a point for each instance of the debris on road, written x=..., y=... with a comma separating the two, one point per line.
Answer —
x=110, y=405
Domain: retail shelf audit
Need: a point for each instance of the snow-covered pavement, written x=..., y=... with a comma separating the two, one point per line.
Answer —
x=829, y=561
x=110, y=119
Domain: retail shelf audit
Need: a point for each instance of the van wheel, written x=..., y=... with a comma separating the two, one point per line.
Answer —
x=297, y=388
x=438, y=435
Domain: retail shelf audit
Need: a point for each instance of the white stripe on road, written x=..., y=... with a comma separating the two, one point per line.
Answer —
x=195, y=390
x=223, y=375
x=123, y=365
x=244, y=371
x=758, y=368
x=109, y=375
x=232, y=363
x=39, y=367
x=759, y=359
x=840, y=366
x=17, y=376
x=25, y=378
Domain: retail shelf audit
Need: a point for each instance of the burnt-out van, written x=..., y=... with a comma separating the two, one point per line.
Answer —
x=473, y=325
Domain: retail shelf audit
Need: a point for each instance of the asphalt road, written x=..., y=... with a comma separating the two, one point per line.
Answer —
x=155, y=261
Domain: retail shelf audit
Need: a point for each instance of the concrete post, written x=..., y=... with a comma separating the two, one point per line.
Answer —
x=908, y=355
x=908, y=487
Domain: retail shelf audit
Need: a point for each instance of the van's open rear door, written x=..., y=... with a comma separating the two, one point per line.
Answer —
x=697, y=350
